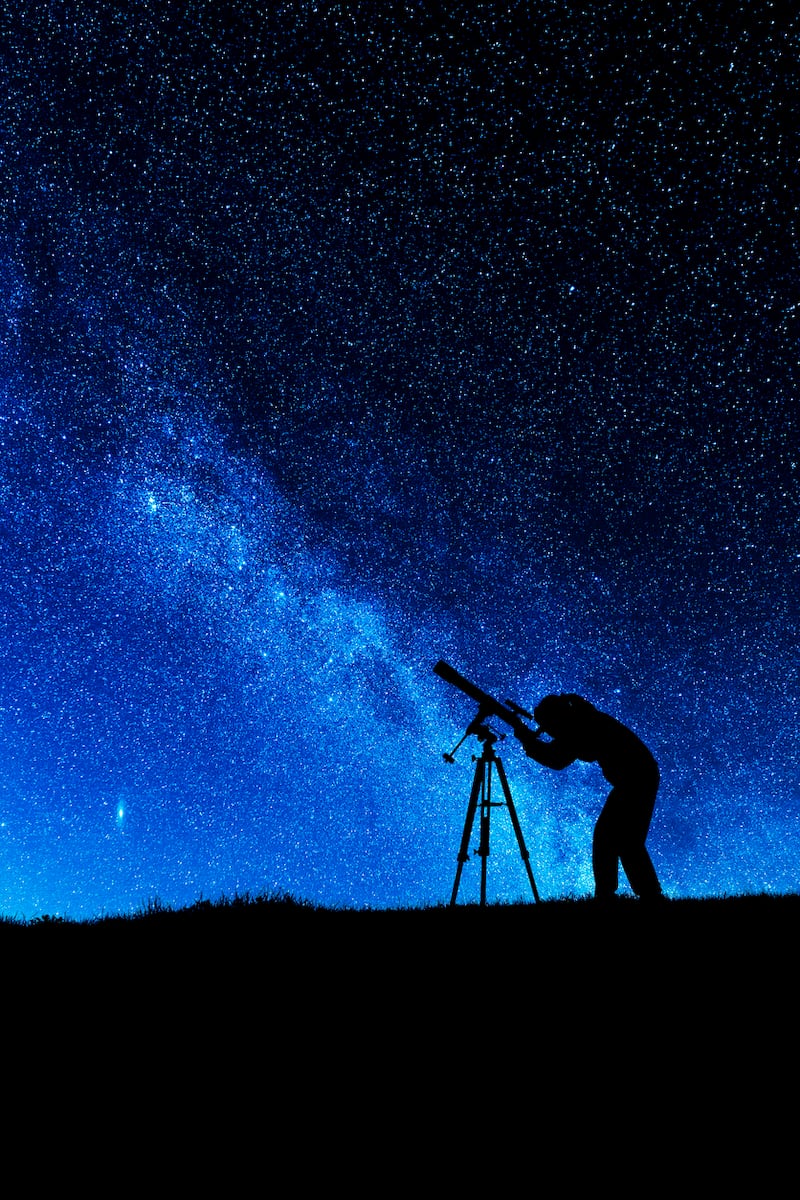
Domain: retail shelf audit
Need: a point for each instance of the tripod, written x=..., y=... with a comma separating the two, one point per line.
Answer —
x=482, y=793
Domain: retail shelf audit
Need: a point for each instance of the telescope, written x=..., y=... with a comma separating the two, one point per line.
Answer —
x=481, y=794
x=506, y=711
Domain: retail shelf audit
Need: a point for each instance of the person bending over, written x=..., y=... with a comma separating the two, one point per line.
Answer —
x=580, y=731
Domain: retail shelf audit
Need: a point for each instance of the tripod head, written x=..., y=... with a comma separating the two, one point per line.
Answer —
x=482, y=732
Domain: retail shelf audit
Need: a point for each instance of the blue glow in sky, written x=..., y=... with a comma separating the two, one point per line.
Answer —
x=335, y=344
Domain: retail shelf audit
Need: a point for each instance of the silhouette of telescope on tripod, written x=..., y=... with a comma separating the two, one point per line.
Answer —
x=488, y=762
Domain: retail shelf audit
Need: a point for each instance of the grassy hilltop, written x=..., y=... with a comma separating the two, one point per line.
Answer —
x=749, y=938
x=694, y=990
x=271, y=914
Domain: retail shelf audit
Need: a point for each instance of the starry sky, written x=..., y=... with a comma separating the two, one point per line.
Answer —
x=339, y=338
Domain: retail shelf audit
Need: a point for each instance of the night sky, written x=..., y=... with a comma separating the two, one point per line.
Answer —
x=339, y=338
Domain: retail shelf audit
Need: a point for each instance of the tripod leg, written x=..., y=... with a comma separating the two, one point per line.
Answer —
x=486, y=812
x=512, y=812
x=463, y=854
x=483, y=847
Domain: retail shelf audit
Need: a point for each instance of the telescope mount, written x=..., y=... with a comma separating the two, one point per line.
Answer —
x=486, y=764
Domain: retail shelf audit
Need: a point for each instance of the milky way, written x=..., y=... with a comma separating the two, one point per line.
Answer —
x=337, y=343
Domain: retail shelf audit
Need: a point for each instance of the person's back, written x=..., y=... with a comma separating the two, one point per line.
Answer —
x=620, y=754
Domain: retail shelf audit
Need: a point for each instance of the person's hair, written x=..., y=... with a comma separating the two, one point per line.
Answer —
x=562, y=714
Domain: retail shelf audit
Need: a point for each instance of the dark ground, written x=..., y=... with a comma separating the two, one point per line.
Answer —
x=728, y=951
x=459, y=1046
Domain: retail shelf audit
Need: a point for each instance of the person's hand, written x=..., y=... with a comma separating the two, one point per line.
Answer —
x=526, y=736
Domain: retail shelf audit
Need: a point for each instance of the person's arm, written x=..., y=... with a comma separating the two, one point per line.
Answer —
x=553, y=754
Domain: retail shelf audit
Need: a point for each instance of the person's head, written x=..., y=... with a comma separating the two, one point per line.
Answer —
x=563, y=715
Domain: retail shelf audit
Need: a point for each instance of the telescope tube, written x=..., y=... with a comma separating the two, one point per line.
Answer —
x=488, y=705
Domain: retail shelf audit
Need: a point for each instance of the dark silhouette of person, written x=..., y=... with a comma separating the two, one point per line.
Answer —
x=578, y=730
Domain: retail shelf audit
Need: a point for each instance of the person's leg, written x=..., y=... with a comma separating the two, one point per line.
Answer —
x=605, y=850
x=638, y=866
x=633, y=854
